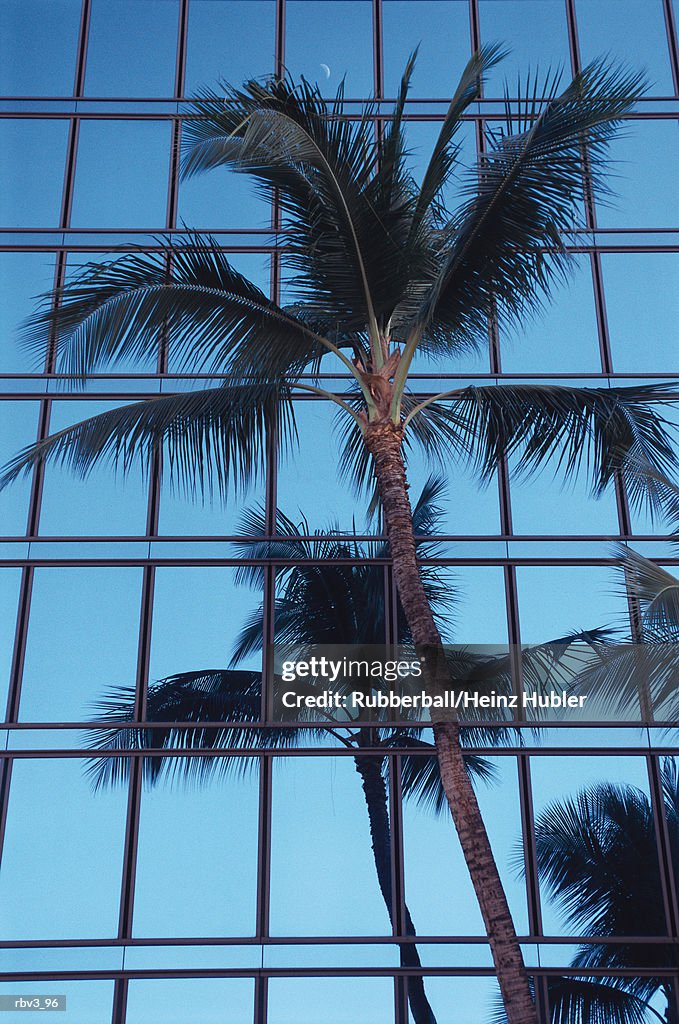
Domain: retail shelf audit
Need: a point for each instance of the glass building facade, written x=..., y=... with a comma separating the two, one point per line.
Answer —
x=252, y=896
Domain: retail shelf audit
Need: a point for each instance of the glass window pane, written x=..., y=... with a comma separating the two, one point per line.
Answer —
x=559, y=599
x=148, y=364
x=18, y=428
x=631, y=30
x=315, y=457
x=433, y=853
x=562, y=339
x=23, y=277
x=31, y=199
x=441, y=27
x=39, y=43
x=544, y=504
x=475, y=999
x=186, y=515
x=479, y=614
x=178, y=1000
x=557, y=779
x=231, y=40
x=642, y=303
x=331, y=1001
x=131, y=48
x=212, y=823
x=105, y=503
x=62, y=861
x=222, y=198
x=642, y=177
x=469, y=508
x=329, y=41
x=10, y=581
x=535, y=32
x=320, y=831
x=438, y=889
x=82, y=640
x=198, y=614
x=253, y=265
x=121, y=175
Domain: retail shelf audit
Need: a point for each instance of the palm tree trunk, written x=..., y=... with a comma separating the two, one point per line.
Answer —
x=380, y=833
x=383, y=440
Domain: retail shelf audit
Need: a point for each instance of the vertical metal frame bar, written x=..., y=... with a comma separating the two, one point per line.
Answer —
x=398, y=897
x=667, y=874
x=672, y=41
x=378, y=49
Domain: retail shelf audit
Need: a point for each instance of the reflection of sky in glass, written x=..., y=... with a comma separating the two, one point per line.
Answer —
x=320, y=820
x=46, y=32
x=557, y=600
x=631, y=30
x=642, y=288
x=23, y=277
x=563, y=337
x=121, y=174
x=88, y=1002
x=544, y=504
x=543, y=49
x=104, y=503
x=63, y=842
x=18, y=428
x=218, y=896
x=231, y=40
x=10, y=580
x=33, y=198
x=340, y=36
x=174, y=1001
x=361, y=1000
x=441, y=29
x=198, y=612
x=81, y=640
x=642, y=177
x=131, y=48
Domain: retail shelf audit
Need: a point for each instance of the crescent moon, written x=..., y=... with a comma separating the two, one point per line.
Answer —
x=326, y=70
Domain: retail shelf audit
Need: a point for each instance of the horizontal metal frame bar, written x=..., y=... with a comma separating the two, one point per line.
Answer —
x=332, y=940
x=230, y=562
x=385, y=117
x=85, y=754
x=329, y=972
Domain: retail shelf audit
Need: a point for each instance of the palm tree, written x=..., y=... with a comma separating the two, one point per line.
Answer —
x=331, y=603
x=597, y=856
x=382, y=271
x=334, y=603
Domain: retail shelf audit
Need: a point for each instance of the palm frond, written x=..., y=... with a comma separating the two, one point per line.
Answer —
x=189, y=699
x=600, y=430
x=207, y=439
x=596, y=856
x=656, y=590
x=444, y=156
x=505, y=248
x=590, y=1001
x=188, y=298
x=345, y=220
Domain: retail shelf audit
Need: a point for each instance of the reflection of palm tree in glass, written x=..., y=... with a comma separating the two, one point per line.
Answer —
x=316, y=604
x=597, y=852
x=597, y=857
